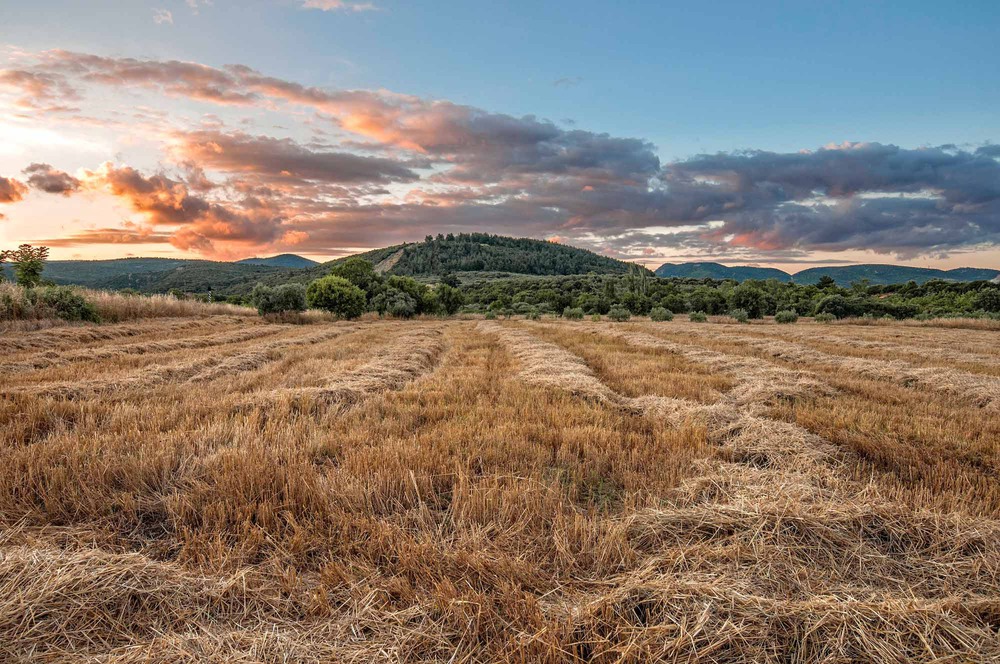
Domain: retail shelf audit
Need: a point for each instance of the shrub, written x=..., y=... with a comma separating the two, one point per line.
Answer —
x=490, y=315
x=450, y=298
x=400, y=305
x=824, y=318
x=177, y=294
x=659, y=314
x=573, y=313
x=752, y=298
x=66, y=303
x=697, y=317
x=533, y=314
x=596, y=318
x=619, y=314
x=740, y=315
x=277, y=300
x=336, y=295
x=785, y=317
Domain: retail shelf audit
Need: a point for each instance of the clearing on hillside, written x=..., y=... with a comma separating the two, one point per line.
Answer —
x=231, y=489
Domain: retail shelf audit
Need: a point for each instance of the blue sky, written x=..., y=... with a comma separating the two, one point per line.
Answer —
x=689, y=78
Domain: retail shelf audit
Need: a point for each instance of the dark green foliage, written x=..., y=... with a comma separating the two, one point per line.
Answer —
x=824, y=318
x=740, y=315
x=573, y=313
x=336, y=295
x=752, y=298
x=697, y=317
x=490, y=315
x=279, y=299
x=359, y=272
x=786, y=317
x=63, y=302
x=660, y=314
x=450, y=299
x=987, y=299
x=619, y=314
x=824, y=277
x=478, y=252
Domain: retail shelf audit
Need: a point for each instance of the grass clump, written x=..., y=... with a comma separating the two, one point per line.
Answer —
x=824, y=318
x=573, y=313
x=697, y=317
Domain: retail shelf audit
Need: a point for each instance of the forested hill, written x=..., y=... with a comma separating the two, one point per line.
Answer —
x=487, y=256
x=480, y=252
x=875, y=274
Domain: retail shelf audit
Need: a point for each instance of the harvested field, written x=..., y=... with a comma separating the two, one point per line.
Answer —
x=228, y=489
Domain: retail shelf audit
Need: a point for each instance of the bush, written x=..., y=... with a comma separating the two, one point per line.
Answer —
x=490, y=315
x=619, y=314
x=450, y=299
x=785, y=317
x=336, y=295
x=400, y=305
x=659, y=314
x=697, y=317
x=740, y=315
x=573, y=313
x=277, y=300
x=533, y=315
x=596, y=318
x=824, y=318
x=65, y=303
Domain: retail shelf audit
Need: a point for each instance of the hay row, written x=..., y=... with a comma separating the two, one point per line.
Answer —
x=404, y=360
x=198, y=370
x=756, y=382
x=935, y=352
x=770, y=549
x=983, y=391
x=73, y=337
x=57, y=358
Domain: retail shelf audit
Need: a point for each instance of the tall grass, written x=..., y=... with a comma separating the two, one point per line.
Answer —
x=25, y=309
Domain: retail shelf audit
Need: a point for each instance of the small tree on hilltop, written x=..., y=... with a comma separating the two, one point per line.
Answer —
x=336, y=295
x=28, y=263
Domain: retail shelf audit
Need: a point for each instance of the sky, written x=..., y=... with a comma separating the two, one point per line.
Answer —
x=784, y=134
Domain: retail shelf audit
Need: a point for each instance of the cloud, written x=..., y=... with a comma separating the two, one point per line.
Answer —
x=567, y=82
x=284, y=159
x=412, y=165
x=163, y=17
x=45, y=178
x=339, y=5
x=11, y=190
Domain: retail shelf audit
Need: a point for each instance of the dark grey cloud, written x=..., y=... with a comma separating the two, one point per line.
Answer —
x=50, y=180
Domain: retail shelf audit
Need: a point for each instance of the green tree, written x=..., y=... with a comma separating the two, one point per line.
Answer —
x=336, y=295
x=359, y=272
x=450, y=298
x=826, y=282
x=751, y=298
x=28, y=263
x=287, y=297
x=988, y=299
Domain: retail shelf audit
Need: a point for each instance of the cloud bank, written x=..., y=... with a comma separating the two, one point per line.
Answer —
x=401, y=166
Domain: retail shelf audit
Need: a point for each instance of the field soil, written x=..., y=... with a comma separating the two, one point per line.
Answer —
x=228, y=489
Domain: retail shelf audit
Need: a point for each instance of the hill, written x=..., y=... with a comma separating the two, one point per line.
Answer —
x=876, y=274
x=718, y=271
x=486, y=256
x=282, y=260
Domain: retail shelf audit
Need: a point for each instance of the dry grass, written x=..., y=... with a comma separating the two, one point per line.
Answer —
x=237, y=491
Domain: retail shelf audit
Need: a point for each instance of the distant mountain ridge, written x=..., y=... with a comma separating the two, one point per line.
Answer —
x=281, y=260
x=876, y=274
